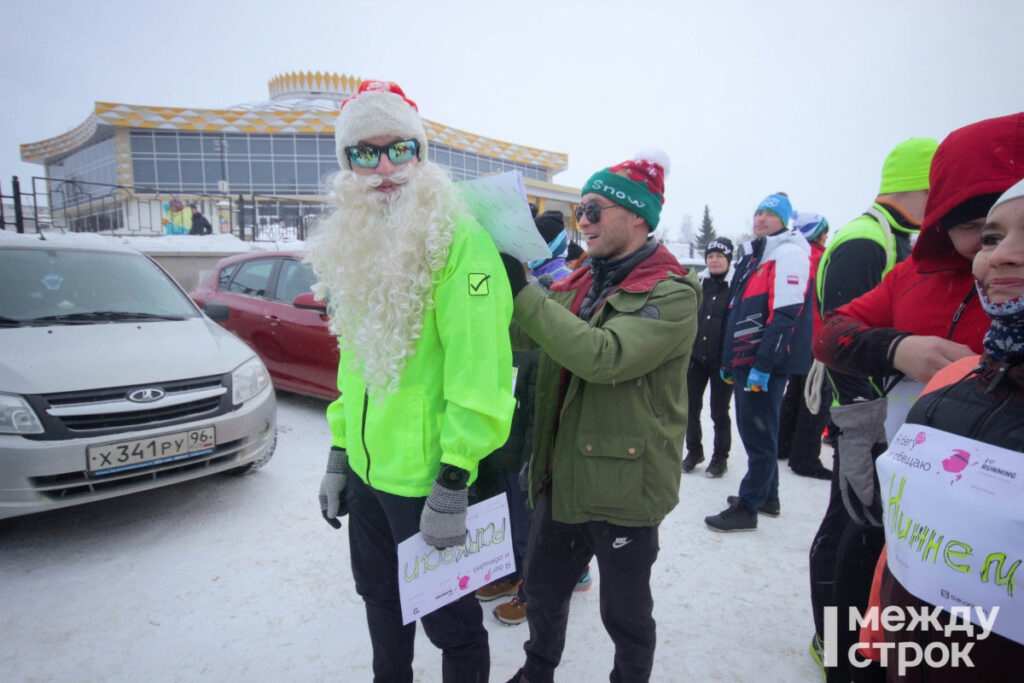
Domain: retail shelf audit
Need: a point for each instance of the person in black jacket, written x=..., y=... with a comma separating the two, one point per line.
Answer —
x=704, y=362
x=507, y=469
x=200, y=226
x=500, y=472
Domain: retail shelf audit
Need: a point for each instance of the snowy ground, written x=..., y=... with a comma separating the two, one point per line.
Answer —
x=239, y=579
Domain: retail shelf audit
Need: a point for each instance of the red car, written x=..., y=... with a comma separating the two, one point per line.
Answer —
x=265, y=299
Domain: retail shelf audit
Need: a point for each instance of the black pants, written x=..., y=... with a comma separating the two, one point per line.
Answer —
x=698, y=376
x=842, y=565
x=800, y=429
x=378, y=521
x=556, y=555
x=492, y=481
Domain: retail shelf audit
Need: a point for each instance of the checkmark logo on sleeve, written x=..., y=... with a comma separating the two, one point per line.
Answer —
x=479, y=284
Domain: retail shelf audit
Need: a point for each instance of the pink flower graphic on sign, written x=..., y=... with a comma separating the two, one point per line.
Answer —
x=920, y=438
x=463, y=582
x=957, y=463
x=487, y=577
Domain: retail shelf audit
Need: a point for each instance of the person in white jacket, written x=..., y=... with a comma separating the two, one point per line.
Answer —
x=767, y=338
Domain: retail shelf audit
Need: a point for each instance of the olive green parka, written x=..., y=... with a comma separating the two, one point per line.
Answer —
x=610, y=448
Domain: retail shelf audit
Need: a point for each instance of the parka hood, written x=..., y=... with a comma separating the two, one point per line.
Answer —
x=986, y=157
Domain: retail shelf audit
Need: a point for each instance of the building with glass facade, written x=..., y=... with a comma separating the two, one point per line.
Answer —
x=133, y=169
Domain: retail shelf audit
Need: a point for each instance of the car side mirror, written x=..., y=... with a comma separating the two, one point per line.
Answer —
x=309, y=302
x=217, y=311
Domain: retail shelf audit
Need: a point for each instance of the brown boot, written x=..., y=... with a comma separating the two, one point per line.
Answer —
x=498, y=589
x=512, y=612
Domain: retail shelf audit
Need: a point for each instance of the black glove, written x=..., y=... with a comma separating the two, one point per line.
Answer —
x=516, y=273
x=332, y=487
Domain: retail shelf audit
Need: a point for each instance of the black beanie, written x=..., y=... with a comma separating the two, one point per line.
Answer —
x=720, y=245
x=549, y=224
x=969, y=210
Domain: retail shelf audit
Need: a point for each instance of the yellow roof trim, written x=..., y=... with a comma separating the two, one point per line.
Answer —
x=269, y=121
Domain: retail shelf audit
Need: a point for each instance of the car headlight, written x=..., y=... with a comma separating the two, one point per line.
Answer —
x=249, y=379
x=17, y=416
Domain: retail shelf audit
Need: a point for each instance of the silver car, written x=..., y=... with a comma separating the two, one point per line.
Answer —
x=112, y=381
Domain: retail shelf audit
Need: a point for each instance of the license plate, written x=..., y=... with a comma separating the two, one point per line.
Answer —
x=128, y=455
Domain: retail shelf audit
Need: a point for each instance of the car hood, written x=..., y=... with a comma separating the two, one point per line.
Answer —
x=57, y=358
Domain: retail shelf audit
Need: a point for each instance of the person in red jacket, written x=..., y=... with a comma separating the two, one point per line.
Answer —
x=924, y=315
x=981, y=399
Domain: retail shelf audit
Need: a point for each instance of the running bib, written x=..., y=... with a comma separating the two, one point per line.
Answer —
x=954, y=522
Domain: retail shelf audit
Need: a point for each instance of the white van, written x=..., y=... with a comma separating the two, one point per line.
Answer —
x=112, y=381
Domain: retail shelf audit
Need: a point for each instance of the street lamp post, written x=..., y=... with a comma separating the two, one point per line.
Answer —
x=222, y=185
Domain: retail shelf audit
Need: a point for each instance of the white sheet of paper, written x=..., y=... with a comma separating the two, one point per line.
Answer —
x=954, y=521
x=499, y=203
x=429, y=579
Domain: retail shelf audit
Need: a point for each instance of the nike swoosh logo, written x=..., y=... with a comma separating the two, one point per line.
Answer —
x=620, y=542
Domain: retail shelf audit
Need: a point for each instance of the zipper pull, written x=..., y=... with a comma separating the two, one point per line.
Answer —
x=1000, y=373
x=959, y=312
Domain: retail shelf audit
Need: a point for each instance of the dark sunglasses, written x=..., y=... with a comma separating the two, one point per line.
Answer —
x=592, y=210
x=368, y=156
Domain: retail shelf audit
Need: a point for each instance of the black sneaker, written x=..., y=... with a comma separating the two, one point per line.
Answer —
x=771, y=507
x=690, y=461
x=520, y=677
x=732, y=518
x=819, y=472
x=716, y=468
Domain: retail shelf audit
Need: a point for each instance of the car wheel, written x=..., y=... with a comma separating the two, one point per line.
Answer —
x=258, y=462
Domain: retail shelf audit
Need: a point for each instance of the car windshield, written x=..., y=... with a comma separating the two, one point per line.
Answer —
x=65, y=286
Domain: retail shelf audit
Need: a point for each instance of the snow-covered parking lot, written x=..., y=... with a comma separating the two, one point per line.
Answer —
x=239, y=579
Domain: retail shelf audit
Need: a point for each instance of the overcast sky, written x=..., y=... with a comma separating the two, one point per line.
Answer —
x=746, y=98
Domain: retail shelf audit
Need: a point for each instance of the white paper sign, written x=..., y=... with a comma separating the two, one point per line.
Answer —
x=499, y=203
x=954, y=522
x=429, y=579
x=902, y=397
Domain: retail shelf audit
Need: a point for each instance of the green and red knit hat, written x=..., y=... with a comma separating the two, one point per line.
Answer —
x=638, y=185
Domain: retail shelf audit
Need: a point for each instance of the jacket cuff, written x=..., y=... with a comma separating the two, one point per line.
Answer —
x=467, y=463
x=890, y=355
x=875, y=346
x=849, y=346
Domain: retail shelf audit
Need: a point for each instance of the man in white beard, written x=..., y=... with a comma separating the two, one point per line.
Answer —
x=420, y=302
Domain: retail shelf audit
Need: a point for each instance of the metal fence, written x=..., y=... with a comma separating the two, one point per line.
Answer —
x=19, y=211
x=70, y=205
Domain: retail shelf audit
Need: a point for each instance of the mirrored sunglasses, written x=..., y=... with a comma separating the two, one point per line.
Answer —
x=592, y=210
x=368, y=156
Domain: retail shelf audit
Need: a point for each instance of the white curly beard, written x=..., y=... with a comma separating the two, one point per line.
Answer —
x=375, y=257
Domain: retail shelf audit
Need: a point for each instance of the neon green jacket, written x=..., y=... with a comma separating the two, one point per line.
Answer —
x=454, y=401
x=862, y=227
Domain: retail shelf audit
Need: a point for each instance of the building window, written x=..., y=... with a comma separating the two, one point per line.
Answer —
x=265, y=163
x=144, y=171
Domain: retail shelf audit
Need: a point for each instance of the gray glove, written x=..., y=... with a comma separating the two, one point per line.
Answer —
x=443, y=521
x=861, y=435
x=332, y=487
